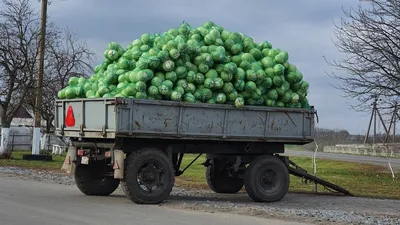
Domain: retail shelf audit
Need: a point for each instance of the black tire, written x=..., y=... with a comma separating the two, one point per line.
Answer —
x=90, y=180
x=157, y=172
x=219, y=181
x=266, y=179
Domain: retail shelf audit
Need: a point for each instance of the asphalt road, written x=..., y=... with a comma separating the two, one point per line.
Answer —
x=32, y=202
x=395, y=162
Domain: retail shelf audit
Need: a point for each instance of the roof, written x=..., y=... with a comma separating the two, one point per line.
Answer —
x=21, y=113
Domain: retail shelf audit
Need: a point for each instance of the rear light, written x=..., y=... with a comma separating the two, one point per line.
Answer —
x=70, y=119
x=81, y=152
x=107, y=154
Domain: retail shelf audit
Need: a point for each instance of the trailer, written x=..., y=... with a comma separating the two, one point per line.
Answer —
x=139, y=144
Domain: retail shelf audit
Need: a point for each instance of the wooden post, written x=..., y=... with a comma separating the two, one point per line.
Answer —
x=39, y=83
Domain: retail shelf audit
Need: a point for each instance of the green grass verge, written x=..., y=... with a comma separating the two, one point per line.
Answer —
x=294, y=147
x=17, y=160
x=360, y=179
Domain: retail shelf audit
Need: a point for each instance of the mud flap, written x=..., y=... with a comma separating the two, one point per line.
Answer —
x=69, y=159
x=118, y=164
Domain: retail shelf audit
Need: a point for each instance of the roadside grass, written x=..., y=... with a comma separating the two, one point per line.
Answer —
x=362, y=180
x=17, y=161
x=294, y=147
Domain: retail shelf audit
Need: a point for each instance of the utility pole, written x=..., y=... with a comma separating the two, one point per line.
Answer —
x=393, y=121
x=375, y=112
x=39, y=82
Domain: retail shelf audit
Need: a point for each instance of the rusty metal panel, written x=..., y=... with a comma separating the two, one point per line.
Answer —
x=154, y=118
x=103, y=118
x=164, y=119
x=286, y=124
x=205, y=121
x=242, y=123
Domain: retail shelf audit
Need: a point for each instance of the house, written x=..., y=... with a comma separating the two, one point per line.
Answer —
x=21, y=131
x=23, y=118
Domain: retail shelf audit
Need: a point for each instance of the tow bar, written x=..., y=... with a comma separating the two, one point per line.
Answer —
x=297, y=171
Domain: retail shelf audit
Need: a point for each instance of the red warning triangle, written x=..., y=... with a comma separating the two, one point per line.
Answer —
x=70, y=119
x=116, y=166
x=67, y=160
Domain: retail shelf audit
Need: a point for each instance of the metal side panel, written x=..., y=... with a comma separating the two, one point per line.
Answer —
x=162, y=119
x=94, y=118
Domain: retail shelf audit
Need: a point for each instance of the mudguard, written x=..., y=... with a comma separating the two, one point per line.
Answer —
x=118, y=164
x=69, y=159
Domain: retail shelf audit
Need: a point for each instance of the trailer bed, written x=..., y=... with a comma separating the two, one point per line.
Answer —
x=133, y=118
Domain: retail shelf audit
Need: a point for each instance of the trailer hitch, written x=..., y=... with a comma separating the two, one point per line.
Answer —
x=297, y=171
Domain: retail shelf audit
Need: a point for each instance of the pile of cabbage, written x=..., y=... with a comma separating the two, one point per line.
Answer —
x=207, y=64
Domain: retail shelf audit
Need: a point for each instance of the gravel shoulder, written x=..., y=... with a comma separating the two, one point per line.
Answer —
x=308, y=208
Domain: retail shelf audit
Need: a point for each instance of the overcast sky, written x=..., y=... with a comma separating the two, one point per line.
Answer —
x=303, y=28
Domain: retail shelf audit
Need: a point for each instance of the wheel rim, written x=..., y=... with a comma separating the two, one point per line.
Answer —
x=151, y=176
x=269, y=181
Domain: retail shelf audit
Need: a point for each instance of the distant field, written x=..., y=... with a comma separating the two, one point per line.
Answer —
x=360, y=179
x=293, y=147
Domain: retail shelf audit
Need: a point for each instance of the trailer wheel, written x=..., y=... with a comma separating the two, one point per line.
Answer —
x=90, y=180
x=219, y=181
x=149, y=176
x=266, y=179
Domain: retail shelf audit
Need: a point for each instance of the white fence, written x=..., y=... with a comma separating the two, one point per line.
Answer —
x=388, y=150
x=21, y=140
x=48, y=141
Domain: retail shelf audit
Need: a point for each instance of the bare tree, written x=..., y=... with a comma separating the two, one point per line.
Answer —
x=19, y=37
x=66, y=56
x=18, y=52
x=369, y=37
